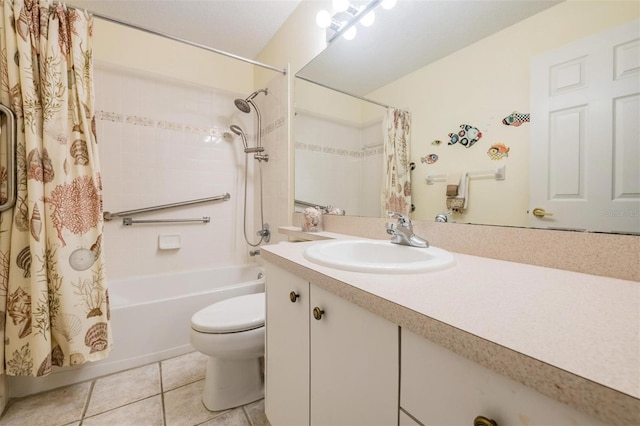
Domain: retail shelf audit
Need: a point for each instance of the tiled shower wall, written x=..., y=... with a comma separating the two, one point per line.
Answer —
x=338, y=164
x=165, y=141
x=275, y=172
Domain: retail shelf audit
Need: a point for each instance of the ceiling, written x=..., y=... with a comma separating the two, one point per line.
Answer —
x=405, y=38
x=410, y=36
x=240, y=27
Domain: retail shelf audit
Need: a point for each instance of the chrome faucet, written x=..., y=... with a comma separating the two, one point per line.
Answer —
x=403, y=231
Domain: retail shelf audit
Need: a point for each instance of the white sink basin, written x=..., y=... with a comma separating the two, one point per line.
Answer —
x=378, y=256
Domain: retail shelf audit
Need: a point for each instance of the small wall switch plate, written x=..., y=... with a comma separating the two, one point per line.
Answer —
x=169, y=242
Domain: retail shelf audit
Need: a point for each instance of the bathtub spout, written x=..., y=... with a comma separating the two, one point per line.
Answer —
x=254, y=253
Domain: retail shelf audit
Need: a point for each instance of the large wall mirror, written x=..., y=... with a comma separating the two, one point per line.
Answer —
x=462, y=63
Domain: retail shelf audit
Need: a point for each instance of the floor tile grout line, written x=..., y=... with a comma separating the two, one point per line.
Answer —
x=121, y=406
x=88, y=401
x=218, y=414
x=246, y=414
x=164, y=413
x=184, y=384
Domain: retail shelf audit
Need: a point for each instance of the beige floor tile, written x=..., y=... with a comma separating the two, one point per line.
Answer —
x=255, y=412
x=183, y=370
x=123, y=388
x=235, y=417
x=147, y=412
x=183, y=406
x=58, y=407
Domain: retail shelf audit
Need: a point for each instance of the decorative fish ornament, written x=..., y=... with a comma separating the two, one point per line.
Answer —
x=429, y=159
x=467, y=136
x=516, y=119
x=498, y=151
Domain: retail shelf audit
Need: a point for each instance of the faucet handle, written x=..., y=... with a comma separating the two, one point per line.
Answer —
x=402, y=219
x=391, y=228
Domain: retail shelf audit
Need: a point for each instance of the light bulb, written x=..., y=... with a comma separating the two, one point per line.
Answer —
x=350, y=34
x=323, y=19
x=340, y=5
x=388, y=4
x=368, y=19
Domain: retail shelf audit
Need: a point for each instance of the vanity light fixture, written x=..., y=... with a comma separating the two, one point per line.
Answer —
x=346, y=16
x=388, y=4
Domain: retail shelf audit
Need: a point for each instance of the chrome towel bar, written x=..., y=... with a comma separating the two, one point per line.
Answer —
x=127, y=221
x=111, y=216
x=11, y=139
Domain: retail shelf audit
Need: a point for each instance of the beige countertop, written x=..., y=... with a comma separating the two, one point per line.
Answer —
x=574, y=337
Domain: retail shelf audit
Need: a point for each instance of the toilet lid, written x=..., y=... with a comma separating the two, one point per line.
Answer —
x=231, y=315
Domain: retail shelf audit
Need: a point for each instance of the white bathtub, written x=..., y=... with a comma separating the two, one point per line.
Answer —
x=150, y=320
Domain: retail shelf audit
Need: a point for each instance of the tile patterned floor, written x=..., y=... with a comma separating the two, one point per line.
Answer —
x=166, y=393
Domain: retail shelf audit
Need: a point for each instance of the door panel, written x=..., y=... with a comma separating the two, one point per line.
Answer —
x=585, y=133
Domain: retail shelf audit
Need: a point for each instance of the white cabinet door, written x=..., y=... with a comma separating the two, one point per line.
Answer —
x=440, y=387
x=354, y=365
x=287, y=348
x=585, y=133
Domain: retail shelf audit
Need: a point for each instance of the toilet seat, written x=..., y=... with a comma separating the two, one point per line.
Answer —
x=232, y=315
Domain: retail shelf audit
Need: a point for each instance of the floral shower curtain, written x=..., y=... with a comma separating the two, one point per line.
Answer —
x=396, y=188
x=54, y=304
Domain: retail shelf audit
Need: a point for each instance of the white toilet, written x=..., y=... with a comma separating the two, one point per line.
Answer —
x=231, y=333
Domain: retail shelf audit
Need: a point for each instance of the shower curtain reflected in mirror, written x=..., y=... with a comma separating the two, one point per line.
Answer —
x=53, y=296
x=396, y=187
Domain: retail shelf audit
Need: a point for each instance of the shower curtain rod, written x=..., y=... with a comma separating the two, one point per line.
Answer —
x=180, y=40
x=362, y=98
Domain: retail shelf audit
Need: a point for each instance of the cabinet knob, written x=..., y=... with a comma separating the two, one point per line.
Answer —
x=483, y=421
x=293, y=296
x=317, y=313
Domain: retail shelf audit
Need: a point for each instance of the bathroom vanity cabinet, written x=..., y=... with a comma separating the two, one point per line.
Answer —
x=439, y=387
x=343, y=368
x=328, y=361
x=515, y=343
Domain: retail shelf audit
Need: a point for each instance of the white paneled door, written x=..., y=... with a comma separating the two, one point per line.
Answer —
x=585, y=134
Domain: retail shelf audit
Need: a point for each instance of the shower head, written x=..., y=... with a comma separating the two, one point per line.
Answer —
x=238, y=131
x=244, y=105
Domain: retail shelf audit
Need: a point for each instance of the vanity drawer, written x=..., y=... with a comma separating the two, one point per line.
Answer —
x=440, y=387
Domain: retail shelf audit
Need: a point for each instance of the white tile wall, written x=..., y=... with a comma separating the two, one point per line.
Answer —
x=275, y=172
x=163, y=141
x=332, y=167
x=371, y=175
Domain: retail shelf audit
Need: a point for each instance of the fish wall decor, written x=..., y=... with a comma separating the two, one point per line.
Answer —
x=498, y=151
x=516, y=119
x=466, y=136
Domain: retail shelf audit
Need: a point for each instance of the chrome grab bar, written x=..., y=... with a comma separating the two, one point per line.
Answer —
x=305, y=203
x=111, y=216
x=127, y=221
x=12, y=140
